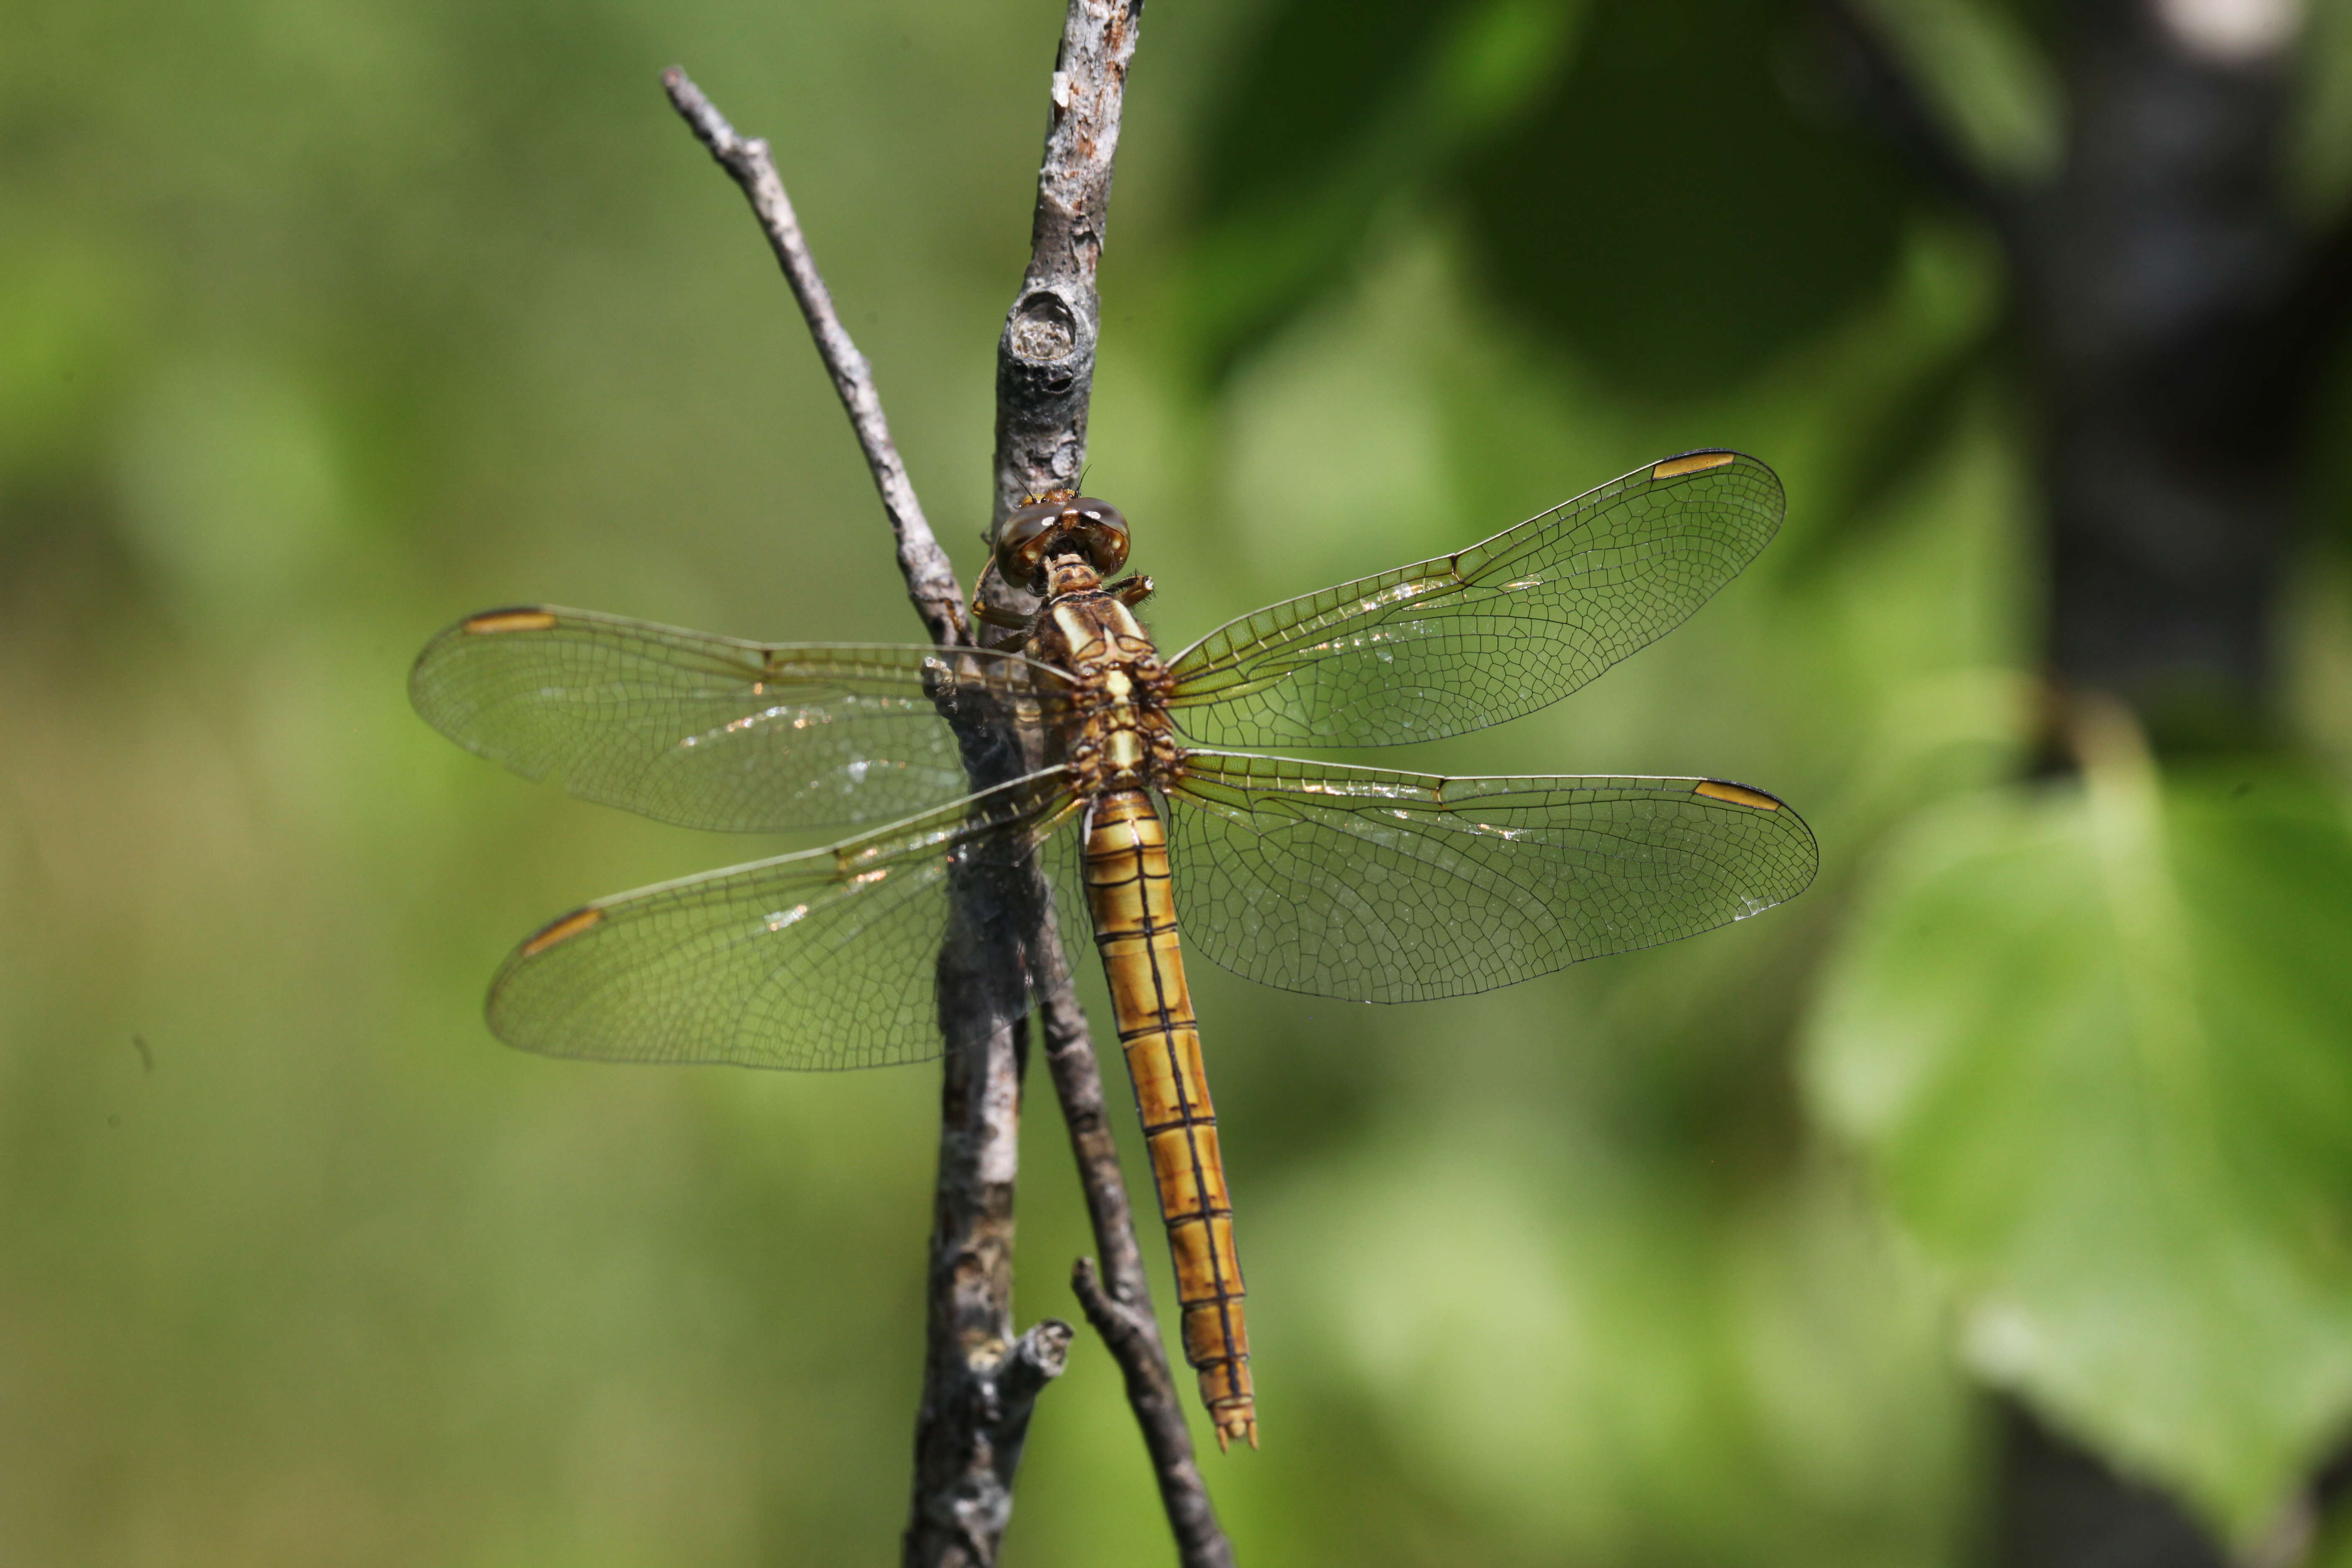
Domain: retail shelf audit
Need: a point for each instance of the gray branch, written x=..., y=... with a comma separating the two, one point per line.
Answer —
x=931, y=579
x=1045, y=382
x=1046, y=359
x=980, y=1386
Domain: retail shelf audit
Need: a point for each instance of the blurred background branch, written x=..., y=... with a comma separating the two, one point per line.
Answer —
x=1865, y=68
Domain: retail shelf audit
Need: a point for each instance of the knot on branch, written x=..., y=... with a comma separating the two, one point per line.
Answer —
x=1045, y=375
x=968, y=1447
x=1042, y=328
x=1046, y=360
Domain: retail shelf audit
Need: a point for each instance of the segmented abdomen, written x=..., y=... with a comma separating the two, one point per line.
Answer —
x=1134, y=911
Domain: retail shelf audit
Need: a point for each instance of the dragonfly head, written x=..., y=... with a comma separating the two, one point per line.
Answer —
x=1060, y=523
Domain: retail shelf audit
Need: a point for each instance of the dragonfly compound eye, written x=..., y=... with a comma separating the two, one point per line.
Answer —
x=1104, y=529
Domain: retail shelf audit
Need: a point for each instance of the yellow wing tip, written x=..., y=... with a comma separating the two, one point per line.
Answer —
x=1691, y=463
x=490, y=622
x=1738, y=795
x=562, y=930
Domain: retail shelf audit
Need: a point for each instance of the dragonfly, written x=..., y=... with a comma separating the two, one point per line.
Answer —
x=1152, y=788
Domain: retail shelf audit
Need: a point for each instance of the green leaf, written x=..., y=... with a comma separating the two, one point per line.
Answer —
x=2097, y=1041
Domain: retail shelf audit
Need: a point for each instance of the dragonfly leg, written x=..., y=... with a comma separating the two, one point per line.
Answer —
x=981, y=610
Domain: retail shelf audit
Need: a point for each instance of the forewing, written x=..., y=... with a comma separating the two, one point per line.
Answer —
x=710, y=731
x=1388, y=886
x=1499, y=629
x=821, y=959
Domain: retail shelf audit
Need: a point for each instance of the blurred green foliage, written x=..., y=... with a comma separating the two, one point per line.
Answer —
x=323, y=322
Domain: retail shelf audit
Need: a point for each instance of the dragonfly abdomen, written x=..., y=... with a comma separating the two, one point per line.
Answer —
x=1134, y=909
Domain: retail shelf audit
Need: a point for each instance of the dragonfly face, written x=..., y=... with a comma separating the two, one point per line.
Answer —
x=1353, y=882
x=1060, y=523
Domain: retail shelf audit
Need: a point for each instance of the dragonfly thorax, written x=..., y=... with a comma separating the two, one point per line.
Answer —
x=1113, y=718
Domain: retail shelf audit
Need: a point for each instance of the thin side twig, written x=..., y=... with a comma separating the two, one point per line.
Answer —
x=931, y=579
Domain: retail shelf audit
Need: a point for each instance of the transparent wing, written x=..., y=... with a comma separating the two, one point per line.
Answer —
x=1500, y=629
x=710, y=731
x=1063, y=859
x=821, y=959
x=1387, y=887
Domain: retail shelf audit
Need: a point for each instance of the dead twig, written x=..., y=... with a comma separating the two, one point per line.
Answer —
x=980, y=1384
x=1045, y=358
x=980, y=1389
